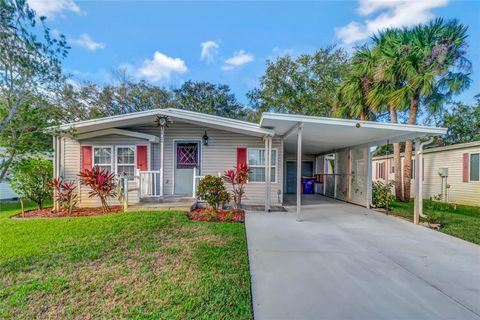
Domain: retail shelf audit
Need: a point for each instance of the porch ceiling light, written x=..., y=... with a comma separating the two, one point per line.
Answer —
x=205, y=139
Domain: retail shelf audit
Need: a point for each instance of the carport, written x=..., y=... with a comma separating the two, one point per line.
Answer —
x=343, y=151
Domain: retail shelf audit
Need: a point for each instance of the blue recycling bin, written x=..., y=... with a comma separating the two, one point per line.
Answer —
x=308, y=185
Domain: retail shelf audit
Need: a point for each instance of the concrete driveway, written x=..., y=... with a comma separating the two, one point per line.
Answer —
x=346, y=262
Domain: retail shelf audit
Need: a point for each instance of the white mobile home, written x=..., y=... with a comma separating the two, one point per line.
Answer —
x=165, y=152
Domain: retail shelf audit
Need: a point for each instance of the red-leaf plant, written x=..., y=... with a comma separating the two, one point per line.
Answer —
x=102, y=185
x=65, y=194
x=237, y=177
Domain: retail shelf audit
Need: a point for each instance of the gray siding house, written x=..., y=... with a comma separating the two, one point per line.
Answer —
x=165, y=152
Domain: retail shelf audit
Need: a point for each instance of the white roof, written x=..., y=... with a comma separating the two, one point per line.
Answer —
x=322, y=135
x=149, y=117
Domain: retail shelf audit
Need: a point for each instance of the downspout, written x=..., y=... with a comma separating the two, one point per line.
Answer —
x=418, y=205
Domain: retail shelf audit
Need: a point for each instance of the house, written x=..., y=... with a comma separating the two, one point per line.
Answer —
x=165, y=152
x=449, y=174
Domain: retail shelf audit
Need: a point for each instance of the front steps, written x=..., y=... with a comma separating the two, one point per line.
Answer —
x=165, y=203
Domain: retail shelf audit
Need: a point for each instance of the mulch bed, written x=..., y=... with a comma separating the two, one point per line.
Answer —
x=78, y=212
x=202, y=214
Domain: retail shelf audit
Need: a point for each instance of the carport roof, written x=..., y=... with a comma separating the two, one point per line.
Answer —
x=323, y=135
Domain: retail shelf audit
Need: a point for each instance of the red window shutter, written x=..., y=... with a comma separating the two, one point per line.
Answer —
x=376, y=170
x=86, y=158
x=241, y=156
x=142, y=158
x=384, y=169
x=465, y=167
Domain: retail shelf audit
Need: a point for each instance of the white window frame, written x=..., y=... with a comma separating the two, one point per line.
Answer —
x=112, y=164
x=470, y=166
x=134, y=147
x=263, y=166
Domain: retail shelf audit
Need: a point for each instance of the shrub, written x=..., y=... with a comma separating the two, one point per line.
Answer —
x=380, y=191
x=237, y=177
x=30, y=179
x=213, y=191
x=102, y=185
x=65, y=194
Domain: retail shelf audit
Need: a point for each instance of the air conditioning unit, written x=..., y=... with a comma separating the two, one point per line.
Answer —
x=443, y=172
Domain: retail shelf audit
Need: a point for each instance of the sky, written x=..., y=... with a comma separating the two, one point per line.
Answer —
x=168, y=43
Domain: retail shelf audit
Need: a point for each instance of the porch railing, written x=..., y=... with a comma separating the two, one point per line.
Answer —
x=150, y=183
x=196, y=180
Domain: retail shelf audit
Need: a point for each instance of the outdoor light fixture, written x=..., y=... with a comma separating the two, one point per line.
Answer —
x=205, y=139
x=358, y=125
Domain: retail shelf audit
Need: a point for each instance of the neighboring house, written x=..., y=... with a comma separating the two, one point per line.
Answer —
x=450, y=173
x=170, y=161
x=6, y=192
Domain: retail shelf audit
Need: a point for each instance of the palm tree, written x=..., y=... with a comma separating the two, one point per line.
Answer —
x=386, y=82
x=431, y=68
x=351, y=100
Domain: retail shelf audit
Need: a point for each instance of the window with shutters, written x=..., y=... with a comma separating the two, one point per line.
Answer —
x=103, y=158
x=126, y=161
x=256, y=164
x=474, y=167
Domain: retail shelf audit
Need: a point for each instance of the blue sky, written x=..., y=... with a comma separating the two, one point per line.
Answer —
x=228, y=42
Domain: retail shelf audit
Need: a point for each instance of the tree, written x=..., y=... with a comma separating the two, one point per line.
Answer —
x=352, y=94
x=209, y=98
x=88, y=101
x=30, y=179
x=303, y=85
x=29, y=64
x=24, y=135
x=462, y=121
x=432, y=68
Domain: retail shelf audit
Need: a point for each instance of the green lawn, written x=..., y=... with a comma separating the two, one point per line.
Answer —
x=157, y=265
x=457, y=220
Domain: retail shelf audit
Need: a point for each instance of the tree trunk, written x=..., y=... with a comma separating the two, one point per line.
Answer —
x=396, y=160
x=412, y=119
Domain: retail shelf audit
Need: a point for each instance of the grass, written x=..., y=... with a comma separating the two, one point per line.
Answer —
x=148, y=265
x=457, y=220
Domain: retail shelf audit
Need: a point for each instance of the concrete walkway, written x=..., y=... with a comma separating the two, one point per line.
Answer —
x=346, y=262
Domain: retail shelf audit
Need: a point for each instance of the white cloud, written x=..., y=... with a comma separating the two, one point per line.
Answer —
x=209, y=50
x=50, y=8
x=387, y=14
x=161, y=67
x=238, y=59
x=85, y=41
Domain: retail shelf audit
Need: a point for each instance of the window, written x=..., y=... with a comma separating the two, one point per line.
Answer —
x=474, y=166
x=392, y=166
x=187, y=155
x=381, y=170
x=102, y=157
x=126, y=161
x=256, y=164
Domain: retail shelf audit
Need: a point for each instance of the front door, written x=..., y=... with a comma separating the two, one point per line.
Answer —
x=186, y=165
x=307, y=171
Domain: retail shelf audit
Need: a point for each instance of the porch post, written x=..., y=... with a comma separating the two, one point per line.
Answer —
x=369, y=178
x=299, y=172
x=417, y=199
x=162, y=142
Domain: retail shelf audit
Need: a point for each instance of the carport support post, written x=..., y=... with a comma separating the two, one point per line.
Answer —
x=418, y=184
x=299, y=172
x=162, y=143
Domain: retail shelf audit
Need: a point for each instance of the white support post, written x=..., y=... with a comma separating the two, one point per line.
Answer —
x=194, y=177
x=269, y=195
x=369, y=178
x=417, y=199
x=325, y=172
x=55, y=173
x=162, y=143
x=266, y=173
x=299, y=172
